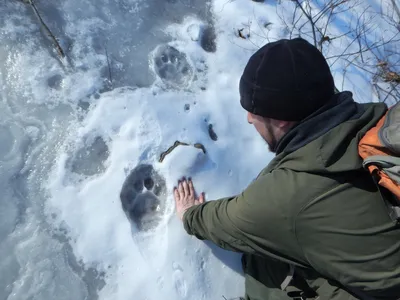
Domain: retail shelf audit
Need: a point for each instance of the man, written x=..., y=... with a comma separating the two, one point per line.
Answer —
x=313, y=224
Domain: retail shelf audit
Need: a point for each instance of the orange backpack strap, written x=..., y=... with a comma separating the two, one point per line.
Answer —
x=380, y=151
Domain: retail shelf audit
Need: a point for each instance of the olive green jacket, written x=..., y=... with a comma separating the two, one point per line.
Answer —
x=314, y=206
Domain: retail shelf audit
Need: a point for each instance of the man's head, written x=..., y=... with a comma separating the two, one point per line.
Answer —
x=283, y=83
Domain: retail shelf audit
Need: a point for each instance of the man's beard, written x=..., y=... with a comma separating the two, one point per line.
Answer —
x=272, y=146
x=273, y=143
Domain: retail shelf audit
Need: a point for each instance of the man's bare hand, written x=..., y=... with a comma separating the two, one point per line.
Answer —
x=185, y=196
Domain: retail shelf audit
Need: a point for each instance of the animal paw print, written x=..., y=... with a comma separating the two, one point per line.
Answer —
x=172, y=66
x=143, y=197
x=89, y=159
x=179, y=280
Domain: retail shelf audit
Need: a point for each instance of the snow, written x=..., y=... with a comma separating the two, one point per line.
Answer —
x=139, y=75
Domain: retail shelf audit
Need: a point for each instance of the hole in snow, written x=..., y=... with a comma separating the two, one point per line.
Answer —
x=208, y=38
x=149, y=183
x=55, y=82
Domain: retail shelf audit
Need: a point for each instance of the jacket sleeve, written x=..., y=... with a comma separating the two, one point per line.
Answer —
x=258, y=221
x=219, y=222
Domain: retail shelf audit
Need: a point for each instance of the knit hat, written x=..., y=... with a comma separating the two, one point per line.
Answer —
x=286, y=80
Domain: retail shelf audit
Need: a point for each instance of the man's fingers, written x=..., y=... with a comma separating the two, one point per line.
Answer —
x=202, y=198
x=176, y=194
x=181, y=190
x=186, y=188
x=191, y=187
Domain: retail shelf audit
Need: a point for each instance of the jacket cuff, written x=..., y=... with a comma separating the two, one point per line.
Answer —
x=187, y=221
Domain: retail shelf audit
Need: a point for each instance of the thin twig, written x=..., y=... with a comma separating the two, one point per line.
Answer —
x=374, y=46
x=329, y=6
x=294, y=22
x=177, y=144
x=358, y=66
x=322, y=12
x=244, y=48
x=343, y=78
x=47, y=30
x=311, y=21
x=396, y=9
x=325, y=30
x=109, y=69
x=259, y=26
x=394, y=86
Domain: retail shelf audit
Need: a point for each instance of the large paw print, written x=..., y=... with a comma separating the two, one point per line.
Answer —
x=172, y=66
x=89, y=159
x=143, y=197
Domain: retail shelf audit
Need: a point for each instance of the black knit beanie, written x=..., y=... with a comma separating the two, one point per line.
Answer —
x=286, y=80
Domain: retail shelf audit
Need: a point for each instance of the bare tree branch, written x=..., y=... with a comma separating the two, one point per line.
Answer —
x=396, y=9
x=311, y=21
x=109, y=69
x=57, y=46
x=368, y=48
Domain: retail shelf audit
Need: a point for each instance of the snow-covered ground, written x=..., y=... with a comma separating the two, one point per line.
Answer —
x=138, y=76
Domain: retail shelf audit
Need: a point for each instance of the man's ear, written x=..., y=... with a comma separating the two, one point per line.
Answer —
x=254, y=117
x=283, y=125
x=278, y=123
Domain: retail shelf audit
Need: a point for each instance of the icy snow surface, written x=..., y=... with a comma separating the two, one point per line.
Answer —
x=79, y=132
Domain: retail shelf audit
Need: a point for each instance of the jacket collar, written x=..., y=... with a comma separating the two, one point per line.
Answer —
x=339, y=109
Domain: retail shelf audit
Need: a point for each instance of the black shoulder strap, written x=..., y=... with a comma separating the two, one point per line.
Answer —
x=299, y=289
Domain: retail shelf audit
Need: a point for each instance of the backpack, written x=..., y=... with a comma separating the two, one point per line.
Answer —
x=380, y=150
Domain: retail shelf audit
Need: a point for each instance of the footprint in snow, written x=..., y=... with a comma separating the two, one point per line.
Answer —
x=179, y=281
x=172, y=66
x=143, y=197
x=89, y=159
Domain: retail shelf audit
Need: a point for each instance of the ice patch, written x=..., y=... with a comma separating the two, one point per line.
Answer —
x=43, y=277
